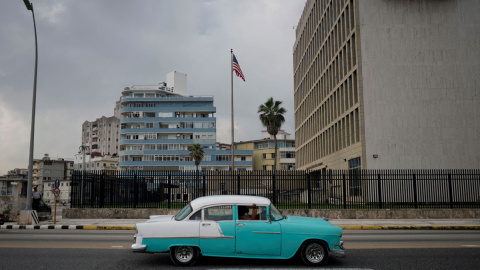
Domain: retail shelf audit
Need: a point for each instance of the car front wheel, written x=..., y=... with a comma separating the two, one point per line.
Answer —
x=314, y=253
x=184, y=255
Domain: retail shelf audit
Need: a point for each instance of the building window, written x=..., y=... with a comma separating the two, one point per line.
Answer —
x=149, y=125
x=355, y=184
x=165, y=114
x=264, y=156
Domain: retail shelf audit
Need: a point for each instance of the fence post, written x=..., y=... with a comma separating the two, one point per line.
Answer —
x=169, y=184
x=135, y=190
x=112, y=191
x=92, y=188
x=197, y=183
x=204, y=185
x=450, y=190
x=102, y=190
x=309, y=190
x=238, y=183
x=344, y=191
x=415, y=200
x=274, y=189
x=379, y=193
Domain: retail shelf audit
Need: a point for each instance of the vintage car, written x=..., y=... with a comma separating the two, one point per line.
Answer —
x=217, y=226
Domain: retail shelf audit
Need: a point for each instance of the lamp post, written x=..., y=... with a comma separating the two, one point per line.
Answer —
x=32, y=129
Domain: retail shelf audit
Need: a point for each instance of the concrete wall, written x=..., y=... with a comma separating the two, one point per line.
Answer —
x=332, y=214
x=420, y=62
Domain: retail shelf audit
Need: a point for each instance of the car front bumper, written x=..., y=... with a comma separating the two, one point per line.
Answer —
x=339, y=253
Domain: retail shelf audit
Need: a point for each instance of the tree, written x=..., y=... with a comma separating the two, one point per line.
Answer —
x=271, y=116
x=197, y=153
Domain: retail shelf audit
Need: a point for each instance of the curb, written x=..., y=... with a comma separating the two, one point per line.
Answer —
x=412, y=227
x=65, y=227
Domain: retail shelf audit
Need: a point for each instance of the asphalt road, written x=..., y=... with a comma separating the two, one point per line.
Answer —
x=80, y=249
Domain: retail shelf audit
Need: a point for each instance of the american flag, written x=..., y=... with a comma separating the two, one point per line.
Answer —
x=237, y=69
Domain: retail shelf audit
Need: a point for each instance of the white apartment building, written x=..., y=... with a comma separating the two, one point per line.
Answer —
x=101, y=135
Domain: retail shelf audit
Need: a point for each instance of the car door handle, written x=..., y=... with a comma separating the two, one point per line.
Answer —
x=205, y=224
x=240, y=224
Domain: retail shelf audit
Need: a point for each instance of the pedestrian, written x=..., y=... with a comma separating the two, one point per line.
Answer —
x=37, y=196
x=243, y=212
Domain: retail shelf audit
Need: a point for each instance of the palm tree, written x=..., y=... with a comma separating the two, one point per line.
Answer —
x=197, y=153
x=271, y=116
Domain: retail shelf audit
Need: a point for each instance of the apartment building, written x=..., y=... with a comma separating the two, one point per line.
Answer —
x=50, y=169
x=264, y=151
x=160, y=123
x=387, y=85
x=96, y=163
x=101, y=135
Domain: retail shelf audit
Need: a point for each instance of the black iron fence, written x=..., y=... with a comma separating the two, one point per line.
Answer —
x=333, y=189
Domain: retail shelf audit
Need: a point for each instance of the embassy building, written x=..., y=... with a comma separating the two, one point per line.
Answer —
x=387, y=85
x=161, y=122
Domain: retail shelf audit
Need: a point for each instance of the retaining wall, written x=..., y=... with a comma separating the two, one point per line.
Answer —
x=79, y=213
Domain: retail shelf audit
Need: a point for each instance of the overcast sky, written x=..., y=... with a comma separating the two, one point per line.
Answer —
x=90, y=50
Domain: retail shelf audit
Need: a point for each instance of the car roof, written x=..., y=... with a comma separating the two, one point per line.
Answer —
x=228, y=199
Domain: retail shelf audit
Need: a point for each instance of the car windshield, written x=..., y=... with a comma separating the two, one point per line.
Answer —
x=184, y=212
x=275, y=214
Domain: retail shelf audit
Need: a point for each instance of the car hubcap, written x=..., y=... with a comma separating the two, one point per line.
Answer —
x=184, y=254
x=315, y=253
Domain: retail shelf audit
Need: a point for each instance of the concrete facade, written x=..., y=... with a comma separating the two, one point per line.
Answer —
x=85, y=213
x=13, y=193
x=50, y=169
x=420, y=63
x=390, y=84
x=101, y=135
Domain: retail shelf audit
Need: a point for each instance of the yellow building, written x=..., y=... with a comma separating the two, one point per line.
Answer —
x=264, y=151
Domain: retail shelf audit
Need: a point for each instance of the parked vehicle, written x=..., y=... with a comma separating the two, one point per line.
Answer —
x=213, y=226
x=2, y=219
x=43, y=207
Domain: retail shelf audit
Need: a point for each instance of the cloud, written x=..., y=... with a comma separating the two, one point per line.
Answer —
x=90, y=50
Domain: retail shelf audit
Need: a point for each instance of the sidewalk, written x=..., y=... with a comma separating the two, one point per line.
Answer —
x=346, y=224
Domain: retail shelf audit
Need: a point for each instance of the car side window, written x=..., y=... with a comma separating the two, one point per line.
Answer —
x=197, y=215
x=218, y=213
x=245, y=212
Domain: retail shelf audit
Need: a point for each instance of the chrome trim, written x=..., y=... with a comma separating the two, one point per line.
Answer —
x=139, y=248
x=217, y=237
x=194, y=237
x=268, y=232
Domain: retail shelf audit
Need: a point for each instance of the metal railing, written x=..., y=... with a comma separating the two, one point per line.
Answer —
x=332, y=189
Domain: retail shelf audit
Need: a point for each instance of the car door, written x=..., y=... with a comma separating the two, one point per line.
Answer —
x=217, y=230
x=258, y=237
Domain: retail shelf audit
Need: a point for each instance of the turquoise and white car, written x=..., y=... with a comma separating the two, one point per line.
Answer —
x=216, y=226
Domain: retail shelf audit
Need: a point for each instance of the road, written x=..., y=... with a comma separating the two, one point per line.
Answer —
x=83, y=249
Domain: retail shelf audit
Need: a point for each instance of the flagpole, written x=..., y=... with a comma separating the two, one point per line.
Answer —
x=232, y=146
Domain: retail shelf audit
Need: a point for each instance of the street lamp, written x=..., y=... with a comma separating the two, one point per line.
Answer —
x=32, y=129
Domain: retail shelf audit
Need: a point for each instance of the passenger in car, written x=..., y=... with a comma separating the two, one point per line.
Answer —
x=243, y=212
